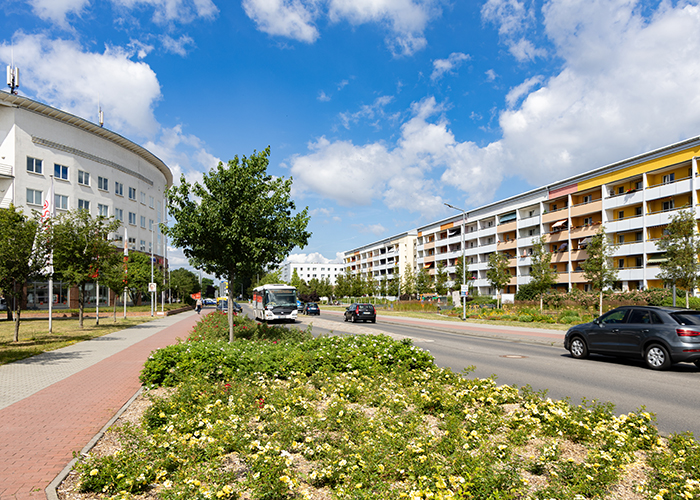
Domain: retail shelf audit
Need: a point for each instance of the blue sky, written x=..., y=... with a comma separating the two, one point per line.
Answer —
x=381, y=110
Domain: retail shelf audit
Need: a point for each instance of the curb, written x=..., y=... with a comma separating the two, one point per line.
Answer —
x=51, y=489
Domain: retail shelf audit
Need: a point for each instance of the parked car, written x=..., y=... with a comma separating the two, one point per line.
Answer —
x=237, y=307
x=209, y=302
x=311, y=308
x=300, y=306
x=658, y=335
x=360, y=312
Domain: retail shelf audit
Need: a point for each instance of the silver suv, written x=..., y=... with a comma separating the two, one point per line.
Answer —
x=659, y=335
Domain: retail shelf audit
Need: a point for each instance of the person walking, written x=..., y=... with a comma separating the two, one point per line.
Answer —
x=199, y=305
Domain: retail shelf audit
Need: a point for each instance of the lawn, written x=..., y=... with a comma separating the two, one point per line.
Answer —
x=34, y=336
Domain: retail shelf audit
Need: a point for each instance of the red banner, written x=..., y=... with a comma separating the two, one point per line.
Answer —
x=196, y=296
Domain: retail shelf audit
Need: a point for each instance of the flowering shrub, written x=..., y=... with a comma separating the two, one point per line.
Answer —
x=370, y=418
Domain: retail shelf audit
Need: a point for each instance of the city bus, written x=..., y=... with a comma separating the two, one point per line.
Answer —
x=275, y=302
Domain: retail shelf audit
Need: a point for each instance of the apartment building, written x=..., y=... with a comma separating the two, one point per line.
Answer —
x=311, y=270
x=90, y=167
x=633, y=200
x=378, y=260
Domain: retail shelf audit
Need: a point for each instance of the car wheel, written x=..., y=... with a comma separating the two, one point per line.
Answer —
x=697, y=363
x=656, y=357
x=354, y=319
x=374, y=320
x=578, y=348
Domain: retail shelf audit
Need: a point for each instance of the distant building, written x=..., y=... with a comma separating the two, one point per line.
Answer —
x=380, y=259
x=310, y=270
x=92, y=168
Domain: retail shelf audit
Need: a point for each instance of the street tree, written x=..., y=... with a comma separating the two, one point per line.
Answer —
x=681, y=245
x=498, y=274
x=343, y=284
x=296, y=280
x=274, y=278
x=238, y=220
x=424, y=282
x=183, y=282
x=23, y=254
x=542, y=276
x=408, y=286
x=460, y=273
x=441, y=279
x=81, y=248
x=139, y=275
x=597, y=268
x=113, y=275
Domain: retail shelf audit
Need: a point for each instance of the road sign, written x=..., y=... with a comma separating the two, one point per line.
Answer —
x=464, y=290
x=152, y=287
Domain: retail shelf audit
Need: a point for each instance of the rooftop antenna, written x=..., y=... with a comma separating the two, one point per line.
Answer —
x=100, y=114
x=13, y=75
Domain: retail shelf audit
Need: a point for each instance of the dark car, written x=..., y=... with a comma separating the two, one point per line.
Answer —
x=237, y=307
x=659, y=335
x=360, y=312
x=311, y=308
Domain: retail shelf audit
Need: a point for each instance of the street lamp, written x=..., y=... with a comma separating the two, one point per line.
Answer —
x=464, y=267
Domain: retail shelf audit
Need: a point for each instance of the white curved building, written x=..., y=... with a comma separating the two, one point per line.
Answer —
x=92, y=168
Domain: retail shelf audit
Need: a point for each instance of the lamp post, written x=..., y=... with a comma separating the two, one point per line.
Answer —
x=464, y=267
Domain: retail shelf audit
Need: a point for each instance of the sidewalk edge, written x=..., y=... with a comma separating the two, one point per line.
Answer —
x=51, y=489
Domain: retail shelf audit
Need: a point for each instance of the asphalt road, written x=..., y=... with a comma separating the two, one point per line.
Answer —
x=543, y=364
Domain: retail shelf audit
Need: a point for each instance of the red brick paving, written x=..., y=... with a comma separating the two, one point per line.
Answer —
x=39, y=434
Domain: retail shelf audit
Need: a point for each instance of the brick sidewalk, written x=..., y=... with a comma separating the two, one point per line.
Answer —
x=39, y=434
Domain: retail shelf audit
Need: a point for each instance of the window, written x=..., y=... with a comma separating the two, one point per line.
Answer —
x=150, y=224
x=638, y=262
x=638, y=236
x=621, y=263
x=34, y=197
x=668, y=205
x=132, y=219
x=118, y=188
x=60, y=201
x=60, y=171
x=102, y=210
x=620, y=190
x=142, y=245
x=620, y=238
x=143, y=197
x=621, y=214
x=532, y=213
x=83, y=205
x=151, y=201
x=83, y=178
x=587, y=198
x=638, y=211
x=34, y=165
x=143, y=222
x=132, y=243
x=132, y=193
x=119, y=214
x=638, y=185
x=102, y=183
x=668, y=178
x=587, y=221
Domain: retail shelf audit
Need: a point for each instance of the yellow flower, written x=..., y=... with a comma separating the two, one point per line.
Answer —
x=94, y=472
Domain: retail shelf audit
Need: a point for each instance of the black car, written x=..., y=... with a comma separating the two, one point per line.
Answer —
x=659, y=335
x=360, y=312
x=311, y=308
x=237, y=307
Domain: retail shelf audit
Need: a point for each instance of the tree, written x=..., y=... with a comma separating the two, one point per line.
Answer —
x=81, y=249
x=23, y=254
x=409, y=282
x=239, y=220
x=139, y=275
x=597, y=268
x=424, y=282
x=497, y=273
x=274, y=278
x=343, y=284
x=459, y=273
x=296, y=280
x=113, y=277
x=441, y=279
x=542, y=276
x=681, y=244
x=183, y=282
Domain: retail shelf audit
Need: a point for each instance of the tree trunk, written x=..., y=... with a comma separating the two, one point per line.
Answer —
x=230, y=310
x=600, y=304
x=115, y=309
x=17, y=314
x=541, y=302
x=687, y=300
x=81, y=304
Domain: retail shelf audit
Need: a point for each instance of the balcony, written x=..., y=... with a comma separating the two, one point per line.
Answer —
x=630, y=274
x=508, y=226
x=577, y=255
x=556, y=215
x=487, y=231
x=507, y=245
x=560, y=236
x=560, y=257
x=578, y=277
x=623, y=225
x=585, y=231
x=680, y=186
x=513, y=281
x=660, y=218
x=631, y=248
x=529, y=222
x=587, y=208
x=512, y=262
x=634, y=197
x=562, y=277
x=525, y=261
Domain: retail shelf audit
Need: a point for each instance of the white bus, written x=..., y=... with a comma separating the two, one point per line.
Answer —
x=275, y=302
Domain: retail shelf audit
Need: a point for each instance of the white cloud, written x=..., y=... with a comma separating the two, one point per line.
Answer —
x=404, y=20
x=169, y=11
x=518, y=92
x=291, y=19
x=367, y=111
x=627, y=85
x=513, y=18
x=442, y=66
x=61, y=73
x=323, y=97
x=491, y=75
x=307, y=258
x=375, y=229
x=57, y=10
x=178, y=46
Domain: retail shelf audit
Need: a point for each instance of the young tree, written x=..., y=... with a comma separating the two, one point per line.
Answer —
x=597, y=268
x=459, y=271
x=383, y=287
x=497, y=273
x=682, y=246
x=112, y=275
x=542, y=276
x=240, y=219
x=296, y=280
x=424, y=282
x=183, y=282
x=23, y=254
x=273, y=278
x=343, y=284
x=440, y=279
x=409, y=282
x=139, y=275
x=81, y=249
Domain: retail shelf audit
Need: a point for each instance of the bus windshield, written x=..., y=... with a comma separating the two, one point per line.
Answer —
x=281, y=298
